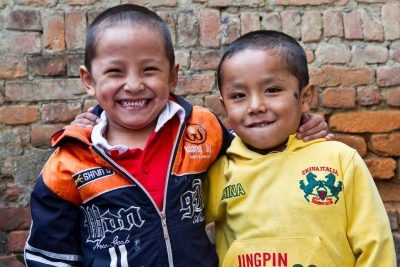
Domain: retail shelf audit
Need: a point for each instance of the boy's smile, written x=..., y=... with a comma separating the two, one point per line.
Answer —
x=262, y=98
x=131, y=76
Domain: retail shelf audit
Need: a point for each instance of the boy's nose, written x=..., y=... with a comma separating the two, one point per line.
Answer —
x=257, y=105
x=133, y=84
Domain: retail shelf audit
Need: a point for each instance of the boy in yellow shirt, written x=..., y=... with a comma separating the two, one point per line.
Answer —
x=284, y=202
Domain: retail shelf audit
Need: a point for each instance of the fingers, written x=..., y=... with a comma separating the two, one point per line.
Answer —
x=313, y=127
x=86, y=119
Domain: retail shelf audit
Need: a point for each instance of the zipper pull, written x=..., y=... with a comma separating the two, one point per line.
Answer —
x=164, y=225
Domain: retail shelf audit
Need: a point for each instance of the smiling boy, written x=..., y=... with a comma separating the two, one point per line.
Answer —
x=276, y=200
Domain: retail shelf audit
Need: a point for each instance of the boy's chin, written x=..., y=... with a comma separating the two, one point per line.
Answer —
x=262, y=149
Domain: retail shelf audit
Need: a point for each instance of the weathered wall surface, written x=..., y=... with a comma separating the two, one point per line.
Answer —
x=353, y=48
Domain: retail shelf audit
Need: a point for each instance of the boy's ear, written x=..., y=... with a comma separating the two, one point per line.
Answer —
x=306, y=97
x=173, y=77
x=87, y=80
x=221, y=100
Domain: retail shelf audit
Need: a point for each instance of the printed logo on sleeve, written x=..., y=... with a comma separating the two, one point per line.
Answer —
x=320, y=187
x=89, y=175
x=195, y=138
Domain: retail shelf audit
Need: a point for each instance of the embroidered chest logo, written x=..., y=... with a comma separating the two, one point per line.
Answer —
x=234, y=190
x=195, y=137
x=321, y=189
x=89, y=175
x=105, y=228
x=192, y=203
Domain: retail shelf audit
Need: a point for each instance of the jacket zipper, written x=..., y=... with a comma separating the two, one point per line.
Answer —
x=160, y=213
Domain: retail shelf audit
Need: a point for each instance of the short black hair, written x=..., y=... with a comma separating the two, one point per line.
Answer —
x=134, y=14
x=292, y=52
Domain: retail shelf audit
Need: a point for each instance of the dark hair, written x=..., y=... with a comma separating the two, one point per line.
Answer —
x=292, y=52
x=134, y=14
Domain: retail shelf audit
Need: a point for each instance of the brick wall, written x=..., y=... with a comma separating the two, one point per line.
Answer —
x=353, y=48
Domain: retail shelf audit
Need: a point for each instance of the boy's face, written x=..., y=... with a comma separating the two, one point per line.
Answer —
x=262, y=99
x=131, y=76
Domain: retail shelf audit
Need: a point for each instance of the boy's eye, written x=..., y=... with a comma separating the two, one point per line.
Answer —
x=112, y=70
x=272, y=90
x=148, y=69
x=237, y=95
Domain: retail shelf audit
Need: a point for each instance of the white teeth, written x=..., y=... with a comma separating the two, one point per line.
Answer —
x=262, y=124
x=133, y=103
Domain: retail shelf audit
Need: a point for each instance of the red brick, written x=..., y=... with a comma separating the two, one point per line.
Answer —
x=12, y=67
x=187, y=29
x=89, y=103
x=381, y=168
x=389, y=191
x=49, y=89
x=219, y=3
x=47, y=66
x=271, y=21
x=367, y=54
x=212, y=102
x=395, y=54
x=39, y=3
x=195, y=84
x=41, y=134
x=10, y=261
x=249, y=21
x=302, y=2
x=16, y=240
x=352, y=25
x=73, y=64
x=391, y=20
x=80, y=2
x=339, y=97
x=388, y=76
x=393, y=97
x=23, y=20
x=169, y=18
x=230, y=28
x=2, y=100
x=226, y=3
x=385, y=144
x=182, y=57
x=333, y=53
x=14, y=218
x=380, y=121
x=372, y=28
x=152, y=3
x=309, y=54
x=354, y=141
x=204, y=60
x=60, y=112
x=11, y=193
x=20, y=42
x=53, y=31
x=75, y=30
x=333, y=23
x=368, y=95
x=291, y=23
x=209, y=22
x=311, y=27
x=334, y=76
x=18, y=114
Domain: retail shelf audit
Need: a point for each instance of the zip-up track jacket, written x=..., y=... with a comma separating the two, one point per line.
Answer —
x=88, y=211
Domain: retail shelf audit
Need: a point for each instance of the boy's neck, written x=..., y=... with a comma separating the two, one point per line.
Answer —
x=266, y=151
x=128, y=137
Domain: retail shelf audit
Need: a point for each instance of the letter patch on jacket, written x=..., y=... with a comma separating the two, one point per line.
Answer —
x=192, y=203
x=107, y=229
x=321, y=189
x=89, y=175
